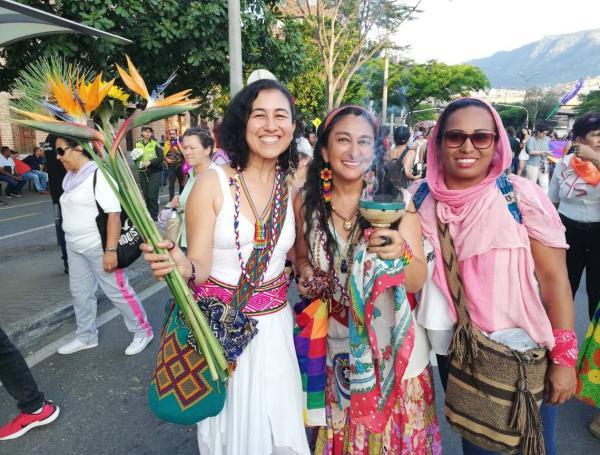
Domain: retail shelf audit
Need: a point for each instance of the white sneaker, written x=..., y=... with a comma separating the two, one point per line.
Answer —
x=138, y=345
x=76, y=345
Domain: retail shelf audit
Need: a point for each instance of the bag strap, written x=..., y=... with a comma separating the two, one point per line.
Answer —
x=464, y=345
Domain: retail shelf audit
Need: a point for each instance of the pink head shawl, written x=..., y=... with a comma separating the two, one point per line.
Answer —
x=479, y=219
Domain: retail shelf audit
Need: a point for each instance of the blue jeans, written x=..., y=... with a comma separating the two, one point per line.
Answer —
x=548, y=413
x=39, y=179
x=14, y=185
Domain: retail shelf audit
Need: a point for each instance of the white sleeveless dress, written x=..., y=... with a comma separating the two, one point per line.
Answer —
x=263, y=412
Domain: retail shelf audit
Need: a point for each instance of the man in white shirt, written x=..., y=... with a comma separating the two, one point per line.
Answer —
x=8, y=175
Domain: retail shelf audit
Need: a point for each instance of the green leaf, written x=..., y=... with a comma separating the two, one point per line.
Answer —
x=63, y=129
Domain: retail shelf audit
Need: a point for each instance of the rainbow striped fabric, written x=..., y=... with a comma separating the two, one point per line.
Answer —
x=310, y=338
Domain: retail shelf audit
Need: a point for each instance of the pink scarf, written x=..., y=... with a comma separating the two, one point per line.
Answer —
x=481, y=225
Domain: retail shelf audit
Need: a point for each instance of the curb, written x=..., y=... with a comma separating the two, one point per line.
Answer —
x=28, y=332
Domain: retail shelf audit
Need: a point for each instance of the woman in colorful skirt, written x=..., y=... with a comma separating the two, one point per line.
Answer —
x=330, y=249
x=240, y=227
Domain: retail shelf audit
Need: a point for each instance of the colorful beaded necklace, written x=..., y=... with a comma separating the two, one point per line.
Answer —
x=276, y=204
x=260, y=228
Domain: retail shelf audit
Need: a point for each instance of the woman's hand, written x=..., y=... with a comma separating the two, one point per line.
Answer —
x=175, y=202
x=585, y=152
x=391, y=246
x=304, y=275
x=561, y=383
x=109, y=261
x=162, y=264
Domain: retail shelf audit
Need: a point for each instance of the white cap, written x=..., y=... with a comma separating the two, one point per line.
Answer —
x=259, y=74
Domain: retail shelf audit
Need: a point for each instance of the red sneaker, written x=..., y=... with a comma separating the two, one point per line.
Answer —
x=25, y=422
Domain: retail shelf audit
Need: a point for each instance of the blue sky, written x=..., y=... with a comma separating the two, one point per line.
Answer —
x=454, y=31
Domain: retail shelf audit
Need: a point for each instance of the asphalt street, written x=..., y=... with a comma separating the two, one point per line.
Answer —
x=102, y=392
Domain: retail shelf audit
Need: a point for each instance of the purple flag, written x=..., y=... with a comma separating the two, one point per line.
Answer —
x=573, y=92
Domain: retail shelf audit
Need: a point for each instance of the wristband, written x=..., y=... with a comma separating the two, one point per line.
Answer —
x=564, y=352
x=192, y=279
x=110, y=250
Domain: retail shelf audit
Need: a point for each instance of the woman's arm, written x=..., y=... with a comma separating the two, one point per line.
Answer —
x=113, y=232
x=551, y=273
x=201, y=210
x=302, y=265
x=408, y=163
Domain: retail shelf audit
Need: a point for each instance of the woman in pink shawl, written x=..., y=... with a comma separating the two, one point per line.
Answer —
x=514, y=273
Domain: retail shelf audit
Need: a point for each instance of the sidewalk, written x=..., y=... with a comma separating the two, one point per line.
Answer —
x=36, y=300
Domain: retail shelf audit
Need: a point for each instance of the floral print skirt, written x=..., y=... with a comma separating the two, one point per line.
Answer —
x=412, y=428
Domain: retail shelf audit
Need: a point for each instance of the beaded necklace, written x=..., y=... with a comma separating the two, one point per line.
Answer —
x=276, y=203
x=346, y=260
x=260, y=228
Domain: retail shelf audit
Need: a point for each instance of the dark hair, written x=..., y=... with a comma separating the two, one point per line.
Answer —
x=73, y=143
x=401, y=135
x=232, y=131
x=586, y=123
x=510, y=131
x=314, y=204
x=452, y=108
x=203, y=136
x=542, y=125
x=146, y=128
x=4, y=149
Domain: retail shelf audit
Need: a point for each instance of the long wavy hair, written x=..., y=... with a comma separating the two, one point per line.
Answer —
x=232, y=131
x=316, y=210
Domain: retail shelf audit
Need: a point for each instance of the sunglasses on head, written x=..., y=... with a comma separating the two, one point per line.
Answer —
x=480, y=139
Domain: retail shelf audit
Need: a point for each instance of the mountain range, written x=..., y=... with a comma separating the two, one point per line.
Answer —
x=556, y=59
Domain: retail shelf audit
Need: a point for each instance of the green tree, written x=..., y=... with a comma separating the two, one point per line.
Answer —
x=589, y=103
x=190, y=37
x=441, y=82
x=350, y=33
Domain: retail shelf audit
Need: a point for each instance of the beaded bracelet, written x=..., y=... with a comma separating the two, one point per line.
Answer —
x=564, y=352
x=408, y=254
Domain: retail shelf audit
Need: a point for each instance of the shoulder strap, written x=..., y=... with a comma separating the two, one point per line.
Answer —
x=463, y=346
x=506, y=188
x=420, y=195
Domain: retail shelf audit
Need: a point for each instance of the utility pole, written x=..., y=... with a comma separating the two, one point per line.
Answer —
x=235, y=47
x=386, y=70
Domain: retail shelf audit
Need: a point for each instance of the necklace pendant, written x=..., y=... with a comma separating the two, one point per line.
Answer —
x=344, y=266
x=260, y=235
x=347, y=225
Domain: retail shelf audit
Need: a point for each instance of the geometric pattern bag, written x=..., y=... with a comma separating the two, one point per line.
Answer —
x=182, y=390
x=494, y=392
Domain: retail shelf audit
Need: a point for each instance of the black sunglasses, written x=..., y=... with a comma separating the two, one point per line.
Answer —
x=480, y=139
x=61, y=151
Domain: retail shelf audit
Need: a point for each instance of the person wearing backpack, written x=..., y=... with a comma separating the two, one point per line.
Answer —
x=394, y=161
x=496, y=268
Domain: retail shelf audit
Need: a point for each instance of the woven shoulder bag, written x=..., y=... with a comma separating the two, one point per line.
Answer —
x=494, y=392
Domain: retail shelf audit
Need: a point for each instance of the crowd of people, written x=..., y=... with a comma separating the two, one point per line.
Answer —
x=481, y=257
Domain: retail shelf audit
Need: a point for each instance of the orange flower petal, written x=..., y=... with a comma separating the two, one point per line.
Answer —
x=139, y=80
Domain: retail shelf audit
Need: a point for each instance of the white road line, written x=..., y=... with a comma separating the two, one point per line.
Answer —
x=19, y=216
x=24, y=205
x=49, y=350
x=27, y=231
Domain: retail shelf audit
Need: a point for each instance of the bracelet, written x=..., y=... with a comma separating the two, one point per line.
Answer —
x=192, y=279
x=172, y=247
x=408, y=254
x=110, y=250
x=564, y=352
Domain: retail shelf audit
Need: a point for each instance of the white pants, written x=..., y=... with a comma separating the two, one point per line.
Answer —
x=86, y=271
x=534, y=174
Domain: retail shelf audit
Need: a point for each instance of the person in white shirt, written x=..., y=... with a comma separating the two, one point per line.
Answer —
x=8, y=175
x=575, y=190
x=89, y=264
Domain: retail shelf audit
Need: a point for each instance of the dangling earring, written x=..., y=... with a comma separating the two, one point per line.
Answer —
x=291, y=167
x=326, y=175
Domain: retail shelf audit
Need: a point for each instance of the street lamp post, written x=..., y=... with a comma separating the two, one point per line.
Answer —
x=235, y=47
x=386, y=69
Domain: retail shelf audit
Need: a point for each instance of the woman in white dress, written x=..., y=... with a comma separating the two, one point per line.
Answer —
x=226, y=212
